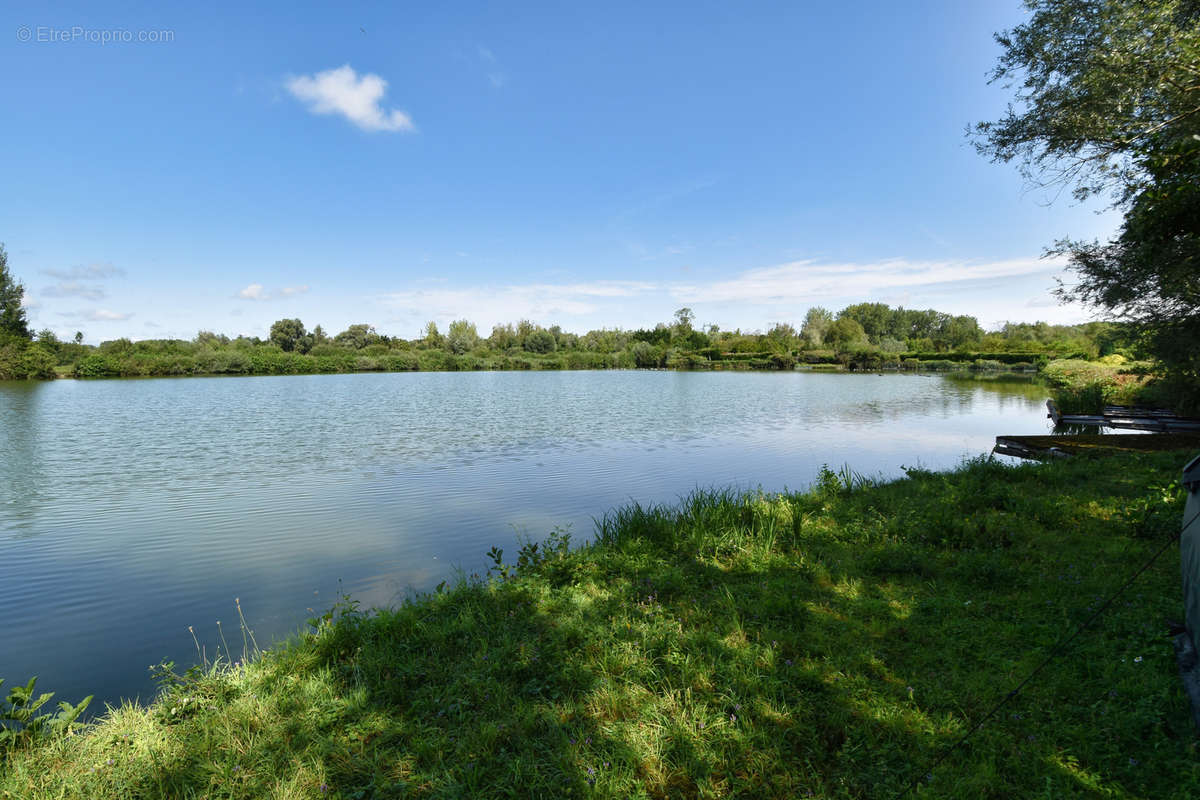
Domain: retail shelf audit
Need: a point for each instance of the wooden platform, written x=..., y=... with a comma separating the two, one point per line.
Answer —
x=1046, y=447
x=1138, y=419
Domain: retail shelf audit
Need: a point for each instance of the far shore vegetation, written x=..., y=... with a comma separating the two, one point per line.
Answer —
x=1101, y=361
x=831, y=643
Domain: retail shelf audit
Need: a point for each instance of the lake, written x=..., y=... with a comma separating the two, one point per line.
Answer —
x=131, y=509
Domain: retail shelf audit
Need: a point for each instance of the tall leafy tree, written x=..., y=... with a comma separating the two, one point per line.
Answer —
x=1102, y=88
x=462, y=336
x=13, y=322
x=1108, y=99
x=816, y=324
x=287, y=334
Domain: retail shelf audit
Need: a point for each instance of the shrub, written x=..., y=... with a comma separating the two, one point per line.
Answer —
x=20, y=724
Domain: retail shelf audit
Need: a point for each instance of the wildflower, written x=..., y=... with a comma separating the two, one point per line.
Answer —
x=324, y=788
x=1137, y=660
x=1133, y=762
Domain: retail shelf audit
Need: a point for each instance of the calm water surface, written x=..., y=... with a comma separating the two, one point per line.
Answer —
x=130, y=510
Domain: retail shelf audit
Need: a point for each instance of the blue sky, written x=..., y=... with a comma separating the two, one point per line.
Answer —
x=219, y=167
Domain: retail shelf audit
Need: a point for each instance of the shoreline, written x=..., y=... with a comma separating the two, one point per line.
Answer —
x=735, y=643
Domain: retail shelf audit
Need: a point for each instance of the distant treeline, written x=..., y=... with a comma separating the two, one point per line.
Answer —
x=866, y=335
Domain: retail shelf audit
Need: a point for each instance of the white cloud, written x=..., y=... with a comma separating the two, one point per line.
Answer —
x=990, y=290
x=258, y=292
x=806, y=281
x=546, y=303
x=495, y=75
x=27, y=301
x=91, y=272
x=343, y=91
x=1045, y=301
x=104, y=315
x=96, y=315
x=254, y=291
x=74, y=289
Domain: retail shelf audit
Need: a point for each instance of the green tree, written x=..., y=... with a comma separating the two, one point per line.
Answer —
x=875, y=318
x=646, y=355
x=540, y=341
x=1104, y=85
x=356, y=337
x=13, y=322
x=1109, y=99
x=1150, y=273
x=781, y=337
x=462, y=336
x=845, y=334
x=50, y=342
x=524, y=328
x=684, y=318
x=959, y=332
x=431, y=336
x=286, y=334
x=78, y=337
x=816, y=324
x=503, y=337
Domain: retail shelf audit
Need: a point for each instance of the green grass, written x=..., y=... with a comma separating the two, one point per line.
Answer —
x=1085, y=387
x=824, y=644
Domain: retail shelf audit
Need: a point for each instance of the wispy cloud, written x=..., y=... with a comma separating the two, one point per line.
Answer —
x=1045, y=301
x=258, y=292
x=89, y=272
x=87, y=291
x=254, y=291
x=96, y=315
x=754, y=296
x=539, y=301
x=85, y=281
x=357, y=98
x=804, y=281
x=495, y=74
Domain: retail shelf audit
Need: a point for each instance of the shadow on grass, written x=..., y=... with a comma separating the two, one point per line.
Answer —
x=830, y=644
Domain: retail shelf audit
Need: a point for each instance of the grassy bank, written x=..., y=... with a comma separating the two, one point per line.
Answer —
x=827, y=644
x=1085, y=387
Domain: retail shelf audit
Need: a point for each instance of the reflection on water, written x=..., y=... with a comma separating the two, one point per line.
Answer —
x=132, y=509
